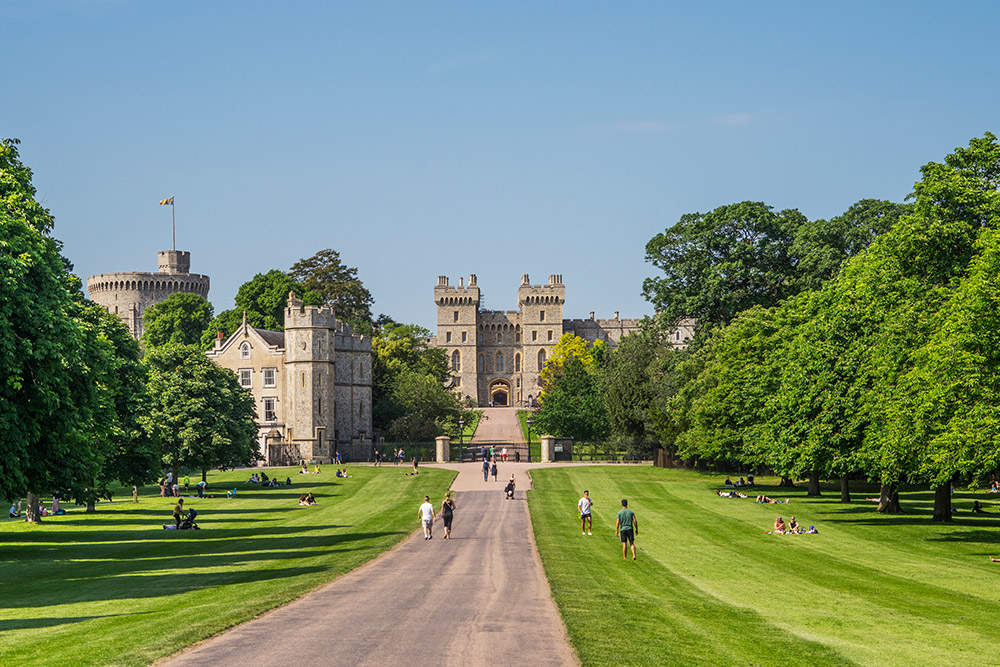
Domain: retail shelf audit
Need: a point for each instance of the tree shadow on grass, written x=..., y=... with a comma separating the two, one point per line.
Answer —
x=973, y=535
x=9, y=625
x=82, y=581
x=154, y=534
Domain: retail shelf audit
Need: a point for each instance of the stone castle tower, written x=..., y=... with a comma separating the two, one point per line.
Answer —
x=129, y=294
x=496, y=356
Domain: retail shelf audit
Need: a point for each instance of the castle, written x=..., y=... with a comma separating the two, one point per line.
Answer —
x=129, y=294
x=312, y=384
x=496, y=356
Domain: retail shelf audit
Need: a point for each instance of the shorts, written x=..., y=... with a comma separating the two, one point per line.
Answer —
x=586, y=516
x=447, y=520
x=627, y=536
x=428, y=524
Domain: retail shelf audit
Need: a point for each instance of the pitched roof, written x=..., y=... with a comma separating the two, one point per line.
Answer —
x=276, y=338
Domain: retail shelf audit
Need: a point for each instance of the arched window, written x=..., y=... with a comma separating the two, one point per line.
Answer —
x=517, y=337
x=482, y=363
x=541, y=359
x=499, y=337
x=456, y=361
x=480, y=337
x=517, y=363
x=499, y=364
x=245, y=351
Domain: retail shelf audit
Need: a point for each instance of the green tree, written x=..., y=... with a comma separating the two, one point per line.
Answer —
x=573, y=406
x=263, y=299
x=48, y=393
x=180, y=319
x=626, y=381
x=198, y=411
x=570, y=346
x=337, y=286
x=717, y=264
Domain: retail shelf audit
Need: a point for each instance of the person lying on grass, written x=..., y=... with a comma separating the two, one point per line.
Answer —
x=731, y=494
x=764, y=500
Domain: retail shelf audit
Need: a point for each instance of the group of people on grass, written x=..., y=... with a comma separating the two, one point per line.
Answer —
x=267, y=482
x=307, y=499
x=626, y=525
x=15, y=509
x=740, y=482
x=305, y=468
x=791, y=528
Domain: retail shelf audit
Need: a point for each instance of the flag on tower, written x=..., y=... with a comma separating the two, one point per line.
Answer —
x=167, y=202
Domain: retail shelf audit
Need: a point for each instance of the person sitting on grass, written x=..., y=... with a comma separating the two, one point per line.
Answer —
x=316, y=469
x=812, y=530
x=793, y=526
x=288, y=481
x=305, y=470
x=728, y=481
x=750, y=480
x=302, y=499
x=977, y=508
x=231, y=494
x=995, y=487
x=14, y=513
x=779, y=526
x=309, y=499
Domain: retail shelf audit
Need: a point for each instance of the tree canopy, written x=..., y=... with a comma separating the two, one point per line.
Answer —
x=180, y=319
x=336, y=285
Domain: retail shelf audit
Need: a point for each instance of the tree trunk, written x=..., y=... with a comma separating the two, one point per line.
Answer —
x=942, y=504
x=204, y=475
x=135, y=494
x=888, y=500
x=786, y=482
x=33, y=514
x=90, y=506
x=813, y=483
x=845, y=489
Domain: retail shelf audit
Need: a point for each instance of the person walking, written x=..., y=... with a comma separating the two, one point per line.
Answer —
x=486, y=470
x=503, y=455
x=493, y=470
x=426, y=514
x=447, y=513
x=584, y=506
x=179, y=512
x=627, y=527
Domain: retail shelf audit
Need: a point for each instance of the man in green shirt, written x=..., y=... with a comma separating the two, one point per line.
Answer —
x=627, y=527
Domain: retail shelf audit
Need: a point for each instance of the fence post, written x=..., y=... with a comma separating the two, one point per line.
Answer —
x=548, y=447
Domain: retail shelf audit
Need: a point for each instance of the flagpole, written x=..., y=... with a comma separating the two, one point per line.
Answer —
x=173, y=226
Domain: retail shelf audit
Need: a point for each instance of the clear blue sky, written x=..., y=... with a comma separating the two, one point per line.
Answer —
x=426, y=138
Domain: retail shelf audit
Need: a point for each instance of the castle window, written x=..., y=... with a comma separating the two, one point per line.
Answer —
x=541, y=359
x=458, y=382
x=456, y=316
x=456, y=361
x=480, y=337
x=517, y=364
x=499, y=337
x=269, y=377
x=677, y=335
x=534, y=335
x=550, y=334
x=246, y=378
x=517, y=337
x=245, y=351
x=482, y=363
x=499, y=362
x=447, y=337
x=464, y=336
x=269, y=413
x=541, y=316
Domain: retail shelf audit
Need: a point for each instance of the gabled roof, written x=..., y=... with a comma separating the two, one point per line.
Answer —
x=275, y=338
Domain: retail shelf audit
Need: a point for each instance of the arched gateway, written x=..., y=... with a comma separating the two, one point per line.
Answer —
x=500, y=393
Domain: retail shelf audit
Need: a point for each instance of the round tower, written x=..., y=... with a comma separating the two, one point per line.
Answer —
x=129, y=294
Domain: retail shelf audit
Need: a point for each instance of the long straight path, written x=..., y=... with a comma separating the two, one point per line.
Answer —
x=479, y=598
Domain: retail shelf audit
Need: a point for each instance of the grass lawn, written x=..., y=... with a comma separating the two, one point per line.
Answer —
x=710, y=587
x=114, y=588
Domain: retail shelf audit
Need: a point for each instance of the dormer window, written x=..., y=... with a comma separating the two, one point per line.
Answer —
x=245, y=351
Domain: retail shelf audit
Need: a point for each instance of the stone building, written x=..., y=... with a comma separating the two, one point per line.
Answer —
x=496, y=356
x=312, y=384
x=129, y=294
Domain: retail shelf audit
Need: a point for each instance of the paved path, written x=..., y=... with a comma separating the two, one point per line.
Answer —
x=498, y=425
x=480, y=598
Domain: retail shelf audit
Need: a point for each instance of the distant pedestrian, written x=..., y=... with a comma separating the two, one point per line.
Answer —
x=426, y=514
x=415, y=466
x=338, y=458
x=482, y=453
x=584, y=506
x=627, y=527
x=493, y=470
x=179, y=512
x=447, y=513
x=378, y=458
x=503, y=455
x=187, y=482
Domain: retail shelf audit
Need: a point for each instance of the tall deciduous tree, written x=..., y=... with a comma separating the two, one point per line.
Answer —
x=180, y=319
x=570, y=346
x=573, y=407
x=198, y=411
x=337, y=285
x=717, y=264
x=48, y=393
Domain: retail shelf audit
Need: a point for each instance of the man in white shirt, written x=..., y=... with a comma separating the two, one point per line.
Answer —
x=586, y=523
x=426, y=514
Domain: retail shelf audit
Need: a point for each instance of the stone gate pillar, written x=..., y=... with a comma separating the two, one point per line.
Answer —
x=548, y=448
x=443, y=449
